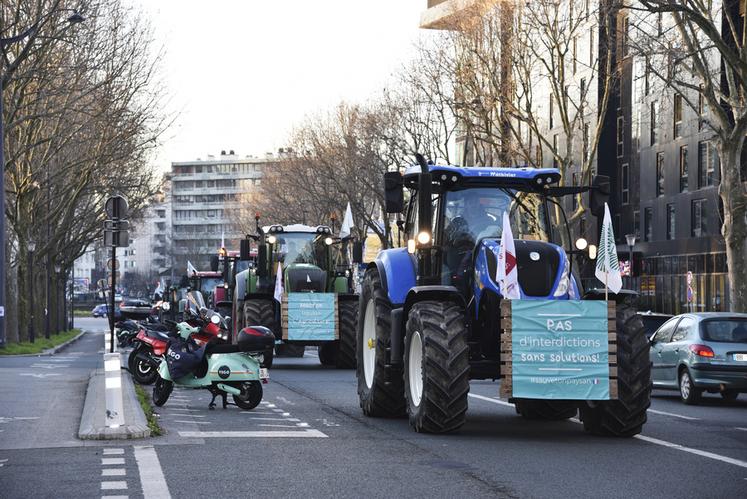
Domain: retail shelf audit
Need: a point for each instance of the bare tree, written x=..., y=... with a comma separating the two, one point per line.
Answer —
x=699, y=50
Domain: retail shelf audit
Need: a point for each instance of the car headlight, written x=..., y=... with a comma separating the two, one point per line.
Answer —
x=565, y=280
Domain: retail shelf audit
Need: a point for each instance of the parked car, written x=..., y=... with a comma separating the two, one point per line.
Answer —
x=653, y=321
x=701, y=352
x=135, y=308
x=100, y=310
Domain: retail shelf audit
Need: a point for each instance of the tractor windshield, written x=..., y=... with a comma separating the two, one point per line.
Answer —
x=477, y=213
x=300, y=247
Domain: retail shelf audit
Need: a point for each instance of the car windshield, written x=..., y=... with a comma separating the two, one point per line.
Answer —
x=477, y=213
x=299, y=247
x=725, y=330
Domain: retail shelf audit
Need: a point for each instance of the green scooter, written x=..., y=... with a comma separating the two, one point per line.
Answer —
x=224, y=368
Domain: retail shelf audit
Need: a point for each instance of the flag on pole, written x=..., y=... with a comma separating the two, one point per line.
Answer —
x=507, y=275
x=347, y=223
x=279, y=284
x=191, y=270
x=608, y=268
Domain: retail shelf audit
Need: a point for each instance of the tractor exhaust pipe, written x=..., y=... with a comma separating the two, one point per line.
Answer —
x=425, y=220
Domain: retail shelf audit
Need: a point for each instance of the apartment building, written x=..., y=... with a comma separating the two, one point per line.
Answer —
x=206, y=198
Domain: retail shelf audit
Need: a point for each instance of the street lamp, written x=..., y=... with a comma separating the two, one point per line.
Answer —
x=31, y=246
x=58, y=308
x=630, y=239
x=75, y=18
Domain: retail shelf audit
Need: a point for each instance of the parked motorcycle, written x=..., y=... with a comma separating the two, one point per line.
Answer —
x=201, y=357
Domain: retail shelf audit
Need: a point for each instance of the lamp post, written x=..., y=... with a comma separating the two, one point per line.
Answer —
x=31, y=247
x=75, y=18
x=57, y=307
x=630, y=239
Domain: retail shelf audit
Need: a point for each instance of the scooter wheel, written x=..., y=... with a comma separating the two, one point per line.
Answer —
x=162, y=391
x=251, y=395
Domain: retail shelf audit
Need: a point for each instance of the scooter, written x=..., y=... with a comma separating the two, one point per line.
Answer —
x=223, y=369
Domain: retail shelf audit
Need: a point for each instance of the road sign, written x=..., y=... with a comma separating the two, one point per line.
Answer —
x=117, y=207
x=112, y=264
x=119, y=239
x=115, y=225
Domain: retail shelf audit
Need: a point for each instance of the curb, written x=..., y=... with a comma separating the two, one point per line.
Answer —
x=49, y=351
x=93, y=421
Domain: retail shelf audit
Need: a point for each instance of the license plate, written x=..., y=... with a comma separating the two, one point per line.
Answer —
x=264, y=373
x=741, y=357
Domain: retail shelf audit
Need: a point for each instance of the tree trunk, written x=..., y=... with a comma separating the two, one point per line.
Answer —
x=734, y=230
x=11, y=304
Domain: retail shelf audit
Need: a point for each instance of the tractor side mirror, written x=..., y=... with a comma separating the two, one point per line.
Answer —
x=357, y=252
x=394, y=195
x=262, y=261
x=600, y=194
x=214, y=263
x=245, y=250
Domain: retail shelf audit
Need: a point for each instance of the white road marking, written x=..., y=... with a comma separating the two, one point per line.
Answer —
x=113, y=452
x=662, y=413
x=259, y=413
x=269, y=419
x=192, y=422
x=111, y=461
x=38, y=375
x=277, y=425
x=113, y=485
x=253, y=434
x=151, y=476
x=488, y=399
x=651, y=440
x=113, y=472
x=697, y=452
x=742, y=429
x=115, y=497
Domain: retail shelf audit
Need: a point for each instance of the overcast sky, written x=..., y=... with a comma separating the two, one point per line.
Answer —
x=242, y=72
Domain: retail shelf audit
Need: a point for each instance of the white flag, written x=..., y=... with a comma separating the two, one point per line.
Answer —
x=222, y=238
x=347, y=223
x=279, y=284
x=608, y=268
x=191, y=270
x=507, y=275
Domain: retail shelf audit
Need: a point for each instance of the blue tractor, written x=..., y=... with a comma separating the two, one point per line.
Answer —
x=429, y=318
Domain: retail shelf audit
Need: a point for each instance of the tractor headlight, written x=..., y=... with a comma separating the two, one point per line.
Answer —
x=565, y=280
x=424, y=237
x=592, y=252
x=411, y=246
x=165, y=306
x=272, y=239
x=328, y=241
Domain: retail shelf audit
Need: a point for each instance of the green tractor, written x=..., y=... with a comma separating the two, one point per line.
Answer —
x=301, y=287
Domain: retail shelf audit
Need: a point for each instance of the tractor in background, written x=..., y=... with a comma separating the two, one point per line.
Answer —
x=312, y=261
x=430, y=316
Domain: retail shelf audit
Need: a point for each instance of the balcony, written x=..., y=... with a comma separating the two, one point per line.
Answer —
x=445, y=14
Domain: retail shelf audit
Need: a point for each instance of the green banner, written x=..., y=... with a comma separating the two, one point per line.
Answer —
x=560, y=349
x=311, y=316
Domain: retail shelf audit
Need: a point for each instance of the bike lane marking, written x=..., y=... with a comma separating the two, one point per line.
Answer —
x=651, y=440
x=662, y=413
x=151, y=475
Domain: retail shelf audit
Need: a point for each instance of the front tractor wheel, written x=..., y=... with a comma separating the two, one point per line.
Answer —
x=261, y=313
x=348, y=317
x=625, y=416
x=436, y=367
x=379, y=396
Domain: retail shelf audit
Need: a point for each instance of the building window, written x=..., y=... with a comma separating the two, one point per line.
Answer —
x=683, y=169
x=637, y=223
x=585, y=145
x=677, y=115
x=659, y=174
x=646, y=71
x=701, y=109
x=620, y=135
x=670, y=222
x=555, y=151
x=625, y=184
x=552, y=110
x=654, y=121
x=591, y=47
x=706, y=164
x=624, y=45
x=698, y=218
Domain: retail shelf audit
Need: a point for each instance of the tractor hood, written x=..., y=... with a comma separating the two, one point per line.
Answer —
x=305, y=277
x=543, y=269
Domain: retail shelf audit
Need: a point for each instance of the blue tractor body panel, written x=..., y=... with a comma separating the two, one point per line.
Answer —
x=397, y=270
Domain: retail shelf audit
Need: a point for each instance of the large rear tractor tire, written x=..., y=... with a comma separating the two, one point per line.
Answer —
x=548, y=410
x=625, y=416
x=348, y=317
x=378, y=396
x=436, y=367
x=328, y=353
x=261, y=313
